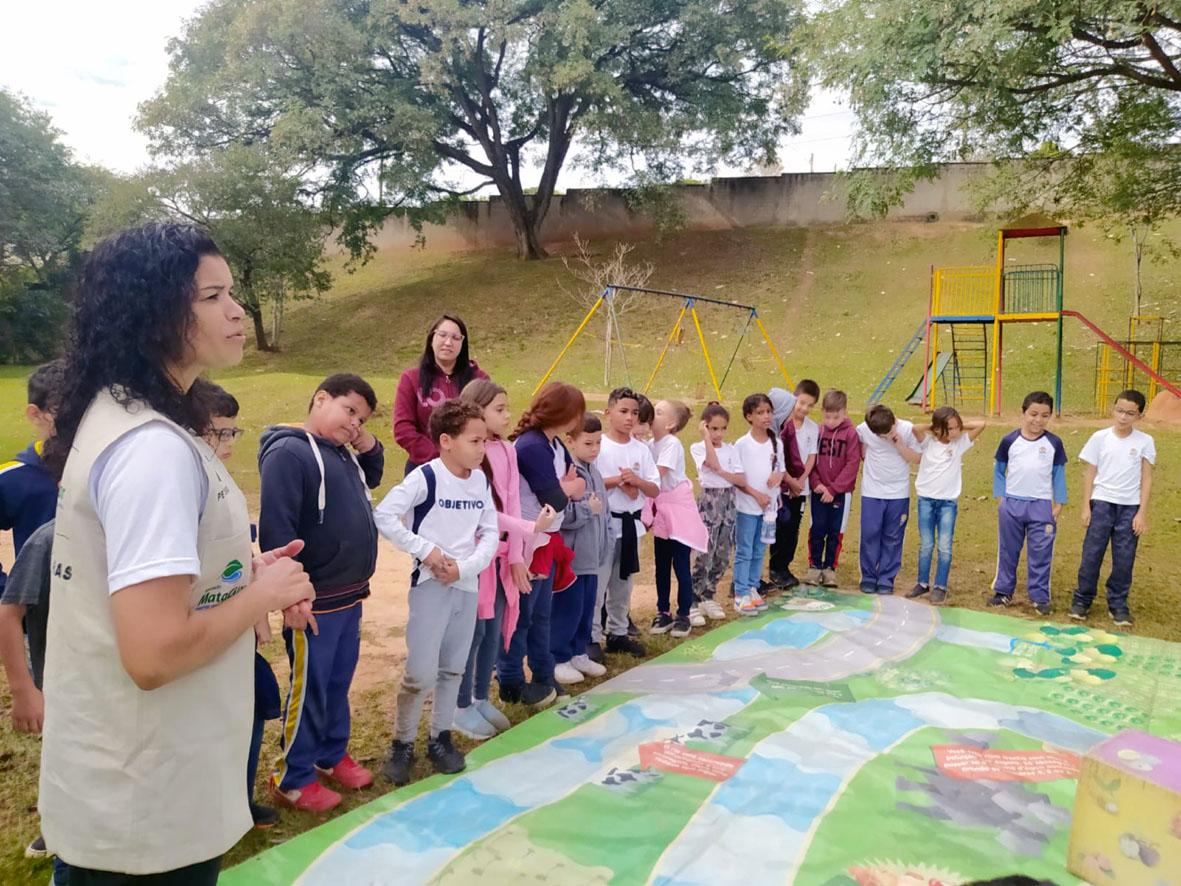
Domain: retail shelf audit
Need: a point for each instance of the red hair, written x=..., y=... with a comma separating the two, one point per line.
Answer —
x=554, y=406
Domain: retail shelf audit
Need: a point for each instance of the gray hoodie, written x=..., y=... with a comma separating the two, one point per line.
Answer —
x=782, y=403
x=587, y=534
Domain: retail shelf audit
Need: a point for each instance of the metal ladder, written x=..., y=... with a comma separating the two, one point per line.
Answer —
x=969, y=345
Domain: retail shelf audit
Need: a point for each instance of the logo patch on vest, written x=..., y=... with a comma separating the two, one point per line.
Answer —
x=232, y=572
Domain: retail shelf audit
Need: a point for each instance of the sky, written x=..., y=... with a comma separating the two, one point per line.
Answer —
x=105, y=58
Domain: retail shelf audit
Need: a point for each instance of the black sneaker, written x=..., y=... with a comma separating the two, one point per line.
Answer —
x=264, y=816
x=999, y=600
x=789, y=582
x=510, y=693
x=560, y=691
x=661, y=624
x=397, y=767
x=443, y=755
x=537, y=695
x=632, y=630
x=37, y=849
x=1042, y=609
x=939, y=596
x=1079, y=612
x=917, y=591
x=681, y=627
x=594, y=651
x=767, y=587
x=1122, y=619
x=627, y=645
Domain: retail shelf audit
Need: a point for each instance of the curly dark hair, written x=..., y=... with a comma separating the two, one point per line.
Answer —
x=130, y=319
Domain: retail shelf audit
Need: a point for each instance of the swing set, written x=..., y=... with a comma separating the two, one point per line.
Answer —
x=689, y=303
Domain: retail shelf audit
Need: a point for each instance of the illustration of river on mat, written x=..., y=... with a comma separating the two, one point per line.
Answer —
x=834, y=740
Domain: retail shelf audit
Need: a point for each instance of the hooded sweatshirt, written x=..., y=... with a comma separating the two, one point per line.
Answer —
x=412, y=411
x=782, y=403
x=586, y=533
x=317, y=491
x=28, y=497
x=838, y=456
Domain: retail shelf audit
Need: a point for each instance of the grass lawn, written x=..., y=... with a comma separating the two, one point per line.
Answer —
x=839, y=303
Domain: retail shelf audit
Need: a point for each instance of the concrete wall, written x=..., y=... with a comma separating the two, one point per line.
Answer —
x=788, y=199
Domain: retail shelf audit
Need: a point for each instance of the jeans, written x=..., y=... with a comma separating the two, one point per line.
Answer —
x=748, y=554
x=936, y=519
x=486, y=645
x=531, y=638
x=203, y=873
x=1109, y=523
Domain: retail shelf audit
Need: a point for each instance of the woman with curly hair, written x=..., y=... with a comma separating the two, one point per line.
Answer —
x=443, y=370
x=150, y=647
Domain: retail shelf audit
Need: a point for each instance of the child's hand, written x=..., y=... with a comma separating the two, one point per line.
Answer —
x=521, y=577
x=764, y=501
x=299, y=618
x=262, y=630
x=627, y=476
x=545, y=519
x=776, y=479
x=449, y=573
x=892, y=436
x=595, y=504
x=1085, y=516
x=363, y=441
x=703, y=429
x=630, y=491
x=435, y=561
x=1140, y=523
x=28, y=711
x=573, y=485
x=1055, y=510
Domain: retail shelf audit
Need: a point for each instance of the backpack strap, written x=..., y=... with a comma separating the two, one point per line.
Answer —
x=421, y=510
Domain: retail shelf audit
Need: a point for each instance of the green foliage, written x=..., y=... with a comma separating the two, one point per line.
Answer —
x=1086, y=95
x=44, y=199
x=255, y=209
x=385, y=100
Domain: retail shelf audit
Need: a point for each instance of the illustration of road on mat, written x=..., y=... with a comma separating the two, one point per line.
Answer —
x=834, y=740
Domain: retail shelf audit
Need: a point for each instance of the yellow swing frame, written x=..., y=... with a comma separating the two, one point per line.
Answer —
x=688, y=306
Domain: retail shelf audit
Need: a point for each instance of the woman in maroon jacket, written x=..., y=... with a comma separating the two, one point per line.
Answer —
x=441, y=374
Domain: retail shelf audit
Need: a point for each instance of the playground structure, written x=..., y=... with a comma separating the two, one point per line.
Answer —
x=972, y=305
x=689, y=303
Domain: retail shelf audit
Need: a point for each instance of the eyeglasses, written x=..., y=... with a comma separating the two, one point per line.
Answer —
x=226, y=435
x=1130, y=413
x=449, y=336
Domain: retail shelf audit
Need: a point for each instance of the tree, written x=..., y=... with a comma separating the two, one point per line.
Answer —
x=1048, y=83
x=386, y=100
x=256, y=211
x=44, y=199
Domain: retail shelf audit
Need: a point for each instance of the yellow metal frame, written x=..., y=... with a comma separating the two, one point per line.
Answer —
x=672, y=336
x=581, y=326
x=774, y=352
x=709, y=364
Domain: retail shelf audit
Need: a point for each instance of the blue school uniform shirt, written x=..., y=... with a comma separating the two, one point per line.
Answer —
x=1030, y=470
x=28, y=497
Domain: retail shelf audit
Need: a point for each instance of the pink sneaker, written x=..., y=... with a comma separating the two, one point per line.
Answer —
x=348, y=773
x=313, y=797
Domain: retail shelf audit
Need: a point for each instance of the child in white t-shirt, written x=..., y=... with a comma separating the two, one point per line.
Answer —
x=631, y=478
x=938, y=486
x=889, y=448
x=719, y=473
x=761, y=454
x=1116, y=484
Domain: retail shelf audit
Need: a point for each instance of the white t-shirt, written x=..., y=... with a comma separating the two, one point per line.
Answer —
x=759, y=461
x=1031, y=465
x=886, y=473
x=1118, y=461
x=461, y=522
x=727, y=460
x=941, y=470
x=808, y=442
x=148, y=489
x=613, y=457
x=668, y=452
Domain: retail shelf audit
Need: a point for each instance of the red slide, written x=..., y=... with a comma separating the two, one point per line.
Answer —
x=1125, y=353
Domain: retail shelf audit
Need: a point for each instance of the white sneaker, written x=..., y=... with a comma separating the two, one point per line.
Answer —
x=759, y=603
x=470, y=722
x=492, y=714
x=566, y=673
x=696, y=619
x=711, y=609
x=589, y=668
x=745, y=606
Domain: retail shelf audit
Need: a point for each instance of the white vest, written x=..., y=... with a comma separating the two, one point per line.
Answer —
x=141, y=781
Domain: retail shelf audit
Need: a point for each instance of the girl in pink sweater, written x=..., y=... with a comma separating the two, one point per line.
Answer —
x=507, y=576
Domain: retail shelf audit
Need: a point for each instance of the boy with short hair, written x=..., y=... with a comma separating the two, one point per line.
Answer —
x=28, y=499
x=833, y=478
x=586, y=530
x=1030, y=480
x=452, y=536
x=316, y=482
x=1117, y=483
x=889, y=447
x=799, y=435
x=631, y=478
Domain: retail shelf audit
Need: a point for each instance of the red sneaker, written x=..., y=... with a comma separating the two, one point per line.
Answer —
x=348, y=773
x=313, y=797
